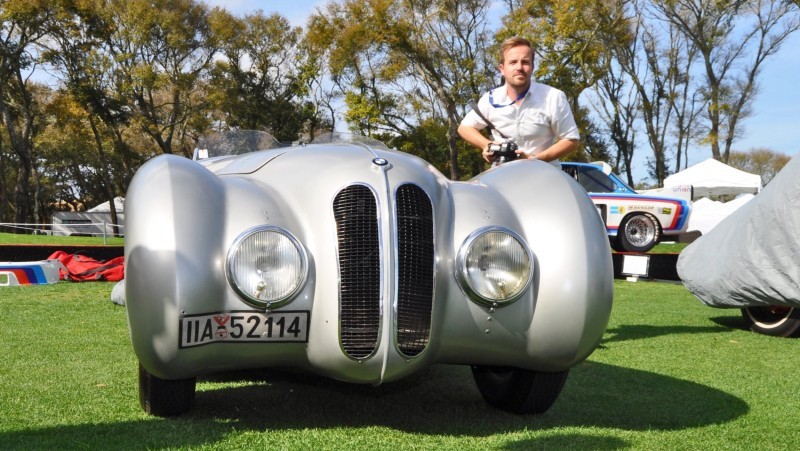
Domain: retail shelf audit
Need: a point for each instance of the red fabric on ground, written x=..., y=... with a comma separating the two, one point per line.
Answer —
x=82, y=268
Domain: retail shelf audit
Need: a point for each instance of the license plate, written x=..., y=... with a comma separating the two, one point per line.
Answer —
x=244, y=327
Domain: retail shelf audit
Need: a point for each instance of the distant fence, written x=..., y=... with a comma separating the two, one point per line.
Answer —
x=85, y=226
x=87, y=223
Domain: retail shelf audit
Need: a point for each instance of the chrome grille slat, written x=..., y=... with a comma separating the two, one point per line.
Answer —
x=356, y=213
x=415, y=269
x=357, y=227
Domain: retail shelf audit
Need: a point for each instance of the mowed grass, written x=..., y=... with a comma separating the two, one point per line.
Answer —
x=668, y=247
x=670, y=373
x=50, y=240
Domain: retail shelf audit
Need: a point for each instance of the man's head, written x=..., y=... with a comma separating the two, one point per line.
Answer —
x=516, y=62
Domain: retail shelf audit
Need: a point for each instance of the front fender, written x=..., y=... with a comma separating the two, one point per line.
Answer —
x=562, y=318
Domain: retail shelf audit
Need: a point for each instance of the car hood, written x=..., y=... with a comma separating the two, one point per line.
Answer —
x=241, y=164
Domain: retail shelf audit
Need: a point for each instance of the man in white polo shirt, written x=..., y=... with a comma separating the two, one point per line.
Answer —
x=535, y=116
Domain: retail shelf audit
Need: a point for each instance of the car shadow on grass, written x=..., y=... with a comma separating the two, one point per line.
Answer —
x=440, y=400
x=642, y=331
x=444, y=399
x=732, y=322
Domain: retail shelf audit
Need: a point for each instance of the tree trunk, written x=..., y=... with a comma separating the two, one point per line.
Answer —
x=20, y=144
x=452, y=139
x=106, y=177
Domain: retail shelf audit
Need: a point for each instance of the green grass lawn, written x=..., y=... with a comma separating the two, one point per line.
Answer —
x=668, y=248
x=670, y=373
x=48, y=240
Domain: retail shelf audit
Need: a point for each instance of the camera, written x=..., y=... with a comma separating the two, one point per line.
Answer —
x=504, y=152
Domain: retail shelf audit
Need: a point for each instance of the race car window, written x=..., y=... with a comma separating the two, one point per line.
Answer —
x=594, y=181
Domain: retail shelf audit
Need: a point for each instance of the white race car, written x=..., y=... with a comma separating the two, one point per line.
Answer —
x=634, y=222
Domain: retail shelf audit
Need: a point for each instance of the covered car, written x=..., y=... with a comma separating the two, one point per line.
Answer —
x=634, y=222
x=352, y=261
x=751, y=260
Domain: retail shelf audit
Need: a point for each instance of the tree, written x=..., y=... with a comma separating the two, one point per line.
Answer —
x=617, y=108
x=652, y=62
x=259, y=83
x=733, y=39
x=687, y=102
x=67, y=163
x=77, y=36
x=399, y=63
x=162, y=49
x=23, y=25
x=762, y=161
x=573, y=41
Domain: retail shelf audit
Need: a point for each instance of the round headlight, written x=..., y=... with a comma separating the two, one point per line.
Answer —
x=267, y=266
x=494, y=266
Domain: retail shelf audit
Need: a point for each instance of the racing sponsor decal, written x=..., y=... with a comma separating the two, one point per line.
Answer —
x=675, y=210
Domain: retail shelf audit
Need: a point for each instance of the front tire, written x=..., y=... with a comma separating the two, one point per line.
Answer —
x=638, y=232
x=517, y=390
x=165, y=398
x=774, y=320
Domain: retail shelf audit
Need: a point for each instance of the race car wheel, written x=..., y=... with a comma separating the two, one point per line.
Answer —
x=774, y=320
x=638, y=232
x=165, y=398
x=517, y=390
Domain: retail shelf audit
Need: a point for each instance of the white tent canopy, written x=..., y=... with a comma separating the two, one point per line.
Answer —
x=707, y=213
x=712, y=178
x=119, y=205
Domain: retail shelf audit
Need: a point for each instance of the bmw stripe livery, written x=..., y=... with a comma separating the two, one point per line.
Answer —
x=634, y=222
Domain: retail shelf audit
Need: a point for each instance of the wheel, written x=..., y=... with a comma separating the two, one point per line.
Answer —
x=638, y=232
x=165, y=398
x=517, y=390
x=775, y=320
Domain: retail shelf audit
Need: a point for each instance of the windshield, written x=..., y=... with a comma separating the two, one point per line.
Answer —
x=594, y=180
x=339, y=137
x=234, y=142
x=239, y=142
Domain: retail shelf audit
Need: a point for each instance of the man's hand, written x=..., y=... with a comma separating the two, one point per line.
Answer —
x=473, y=136
x=487, y=153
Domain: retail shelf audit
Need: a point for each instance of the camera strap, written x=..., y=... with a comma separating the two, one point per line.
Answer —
x=488, y=122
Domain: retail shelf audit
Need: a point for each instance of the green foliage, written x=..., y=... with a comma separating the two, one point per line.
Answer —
x=135, y=78
x=402, y=64
x=429, y=142
x=257, y=85
x=732, y=40
x=571, y=39
x=764, y=162
x=669, y=373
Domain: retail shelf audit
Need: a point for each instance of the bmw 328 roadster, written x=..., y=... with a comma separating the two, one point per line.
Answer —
x=360, y=263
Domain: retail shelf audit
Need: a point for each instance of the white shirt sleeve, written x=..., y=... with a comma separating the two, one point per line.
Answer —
x=564, y=125
x=471, y=119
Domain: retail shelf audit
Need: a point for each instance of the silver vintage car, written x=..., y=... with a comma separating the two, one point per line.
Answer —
x=356, y=262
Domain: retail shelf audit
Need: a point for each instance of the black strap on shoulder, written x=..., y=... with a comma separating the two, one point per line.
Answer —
x=488, y=122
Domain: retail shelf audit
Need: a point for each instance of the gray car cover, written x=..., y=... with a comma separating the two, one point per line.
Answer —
x=752, y=257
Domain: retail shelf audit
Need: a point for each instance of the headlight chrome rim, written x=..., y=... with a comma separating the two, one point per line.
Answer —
x=464, y=259
x=249, y=293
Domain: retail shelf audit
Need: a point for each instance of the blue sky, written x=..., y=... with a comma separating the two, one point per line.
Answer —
x=774, y=124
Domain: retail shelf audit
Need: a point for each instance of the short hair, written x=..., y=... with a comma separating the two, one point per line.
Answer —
x=513, y=42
